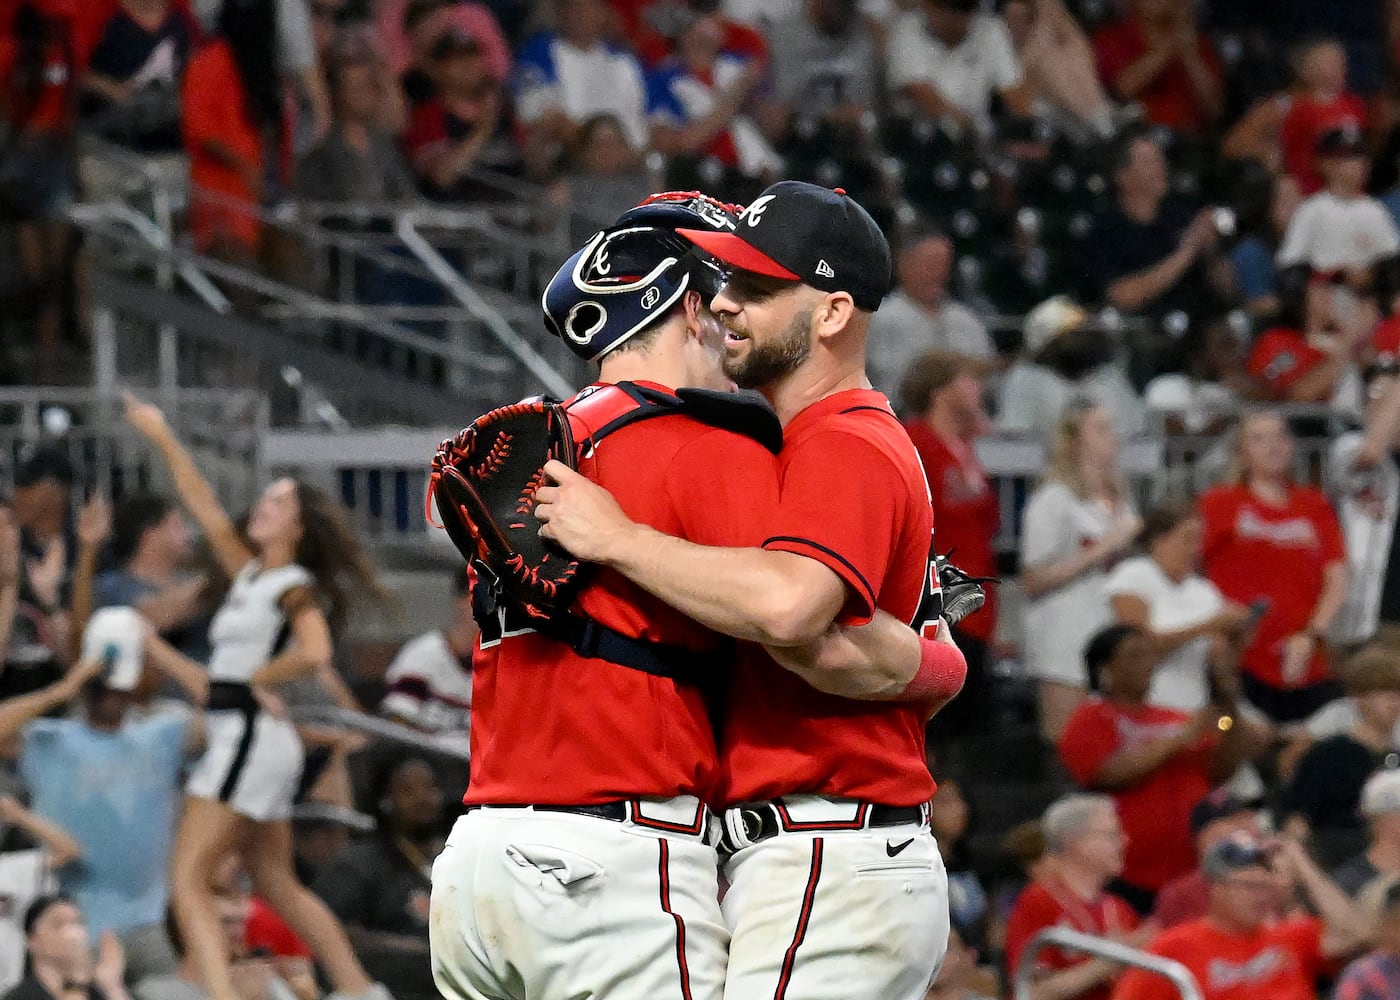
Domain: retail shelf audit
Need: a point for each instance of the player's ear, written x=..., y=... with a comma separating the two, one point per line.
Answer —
x=693, y=307
x=833, y=313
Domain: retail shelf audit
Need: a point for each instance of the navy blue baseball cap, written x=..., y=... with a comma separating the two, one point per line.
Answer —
x=802, y=232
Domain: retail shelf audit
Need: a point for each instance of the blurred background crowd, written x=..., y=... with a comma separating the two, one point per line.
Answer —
x=1144, y=338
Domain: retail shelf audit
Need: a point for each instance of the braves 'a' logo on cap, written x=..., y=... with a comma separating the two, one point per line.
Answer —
x=754, y=213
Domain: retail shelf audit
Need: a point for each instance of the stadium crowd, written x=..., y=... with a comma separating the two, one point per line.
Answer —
x=1109, y=220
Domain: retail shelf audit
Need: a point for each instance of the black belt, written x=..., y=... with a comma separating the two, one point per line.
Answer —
x=616, y=812
x=230, y=696
x=763, y=821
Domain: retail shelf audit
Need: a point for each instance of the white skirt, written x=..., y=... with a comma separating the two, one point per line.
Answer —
x=252, y=764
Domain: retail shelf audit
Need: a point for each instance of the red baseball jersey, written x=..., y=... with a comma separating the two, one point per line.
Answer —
x=854, y=499
x=1279, y=962
x=1051, y=903
x=1305, y=123
x=550, y=727
x=1281, y=357
x=1253, y=549
x=1155, y=812
x=966, y=510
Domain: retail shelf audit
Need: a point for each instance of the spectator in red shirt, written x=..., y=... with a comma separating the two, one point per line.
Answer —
x=1268, y=538
x=236, y=133
x=944, y=394
x=1084, y=844
x=1157, y=57
x=1303, y=358
x=1322, y=103
x=1157, y=763
x=1218, y=816
x=1237, y=951
x=464, y=127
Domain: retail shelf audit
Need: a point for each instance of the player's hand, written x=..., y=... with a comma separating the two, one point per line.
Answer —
x=580, y=516
x=145, y=418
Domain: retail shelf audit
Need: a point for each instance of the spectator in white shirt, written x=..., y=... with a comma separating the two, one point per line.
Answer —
x=568, y=77
x=1065, y=356
x=1340, y=230
x=949, y=61
x=1163, y=595
x=430, y=680
x=1078, y=521
x=920, y=316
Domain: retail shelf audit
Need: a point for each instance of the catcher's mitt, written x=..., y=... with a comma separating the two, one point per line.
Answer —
x=962, y=594
x=483, y=483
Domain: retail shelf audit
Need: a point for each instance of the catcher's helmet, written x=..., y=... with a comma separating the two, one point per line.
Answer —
x=630, y=275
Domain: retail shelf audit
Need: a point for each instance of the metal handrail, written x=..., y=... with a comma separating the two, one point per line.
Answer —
x=373, y=725
x=407, y=229
x=90, y=215
x=1063, y=937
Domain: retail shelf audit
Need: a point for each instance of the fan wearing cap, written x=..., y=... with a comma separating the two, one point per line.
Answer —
x=1324, y=796
x=807, y=267
x=1341, y=231
x=1216, y=817
x=1380, y=805
x=1065, y=355
x=465, y=125
x=93, y=773
x=1239, y=950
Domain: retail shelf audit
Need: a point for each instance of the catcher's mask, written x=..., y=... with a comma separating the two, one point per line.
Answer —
x=630, y=275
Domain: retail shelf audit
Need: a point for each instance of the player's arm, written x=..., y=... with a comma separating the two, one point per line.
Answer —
x=885, y=660
x=776, y=598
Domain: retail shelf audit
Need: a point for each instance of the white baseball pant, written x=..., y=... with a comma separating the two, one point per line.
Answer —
x=529, y=904
x=832, y=907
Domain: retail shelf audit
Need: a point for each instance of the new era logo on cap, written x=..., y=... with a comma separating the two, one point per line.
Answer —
x=815, y=235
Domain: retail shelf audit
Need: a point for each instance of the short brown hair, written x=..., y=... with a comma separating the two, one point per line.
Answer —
x=930, y=374
x=1372, y=669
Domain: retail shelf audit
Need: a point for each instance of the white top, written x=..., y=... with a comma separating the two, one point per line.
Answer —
x=249, y=626
x=430, y=689
x=1337, y=717
x=583, y=83
x=1196, y=402
x=1057, y=625
x=761, y=12
x=1033, y=398
x=1329, y=233
x=1180, y=678
x=1367, y=504
x=901, y=330
x=968, y=74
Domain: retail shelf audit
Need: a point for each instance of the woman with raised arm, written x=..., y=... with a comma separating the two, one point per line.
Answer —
x=296, y=552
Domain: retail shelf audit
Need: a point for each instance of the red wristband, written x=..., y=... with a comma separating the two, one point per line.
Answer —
x=942, y=670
